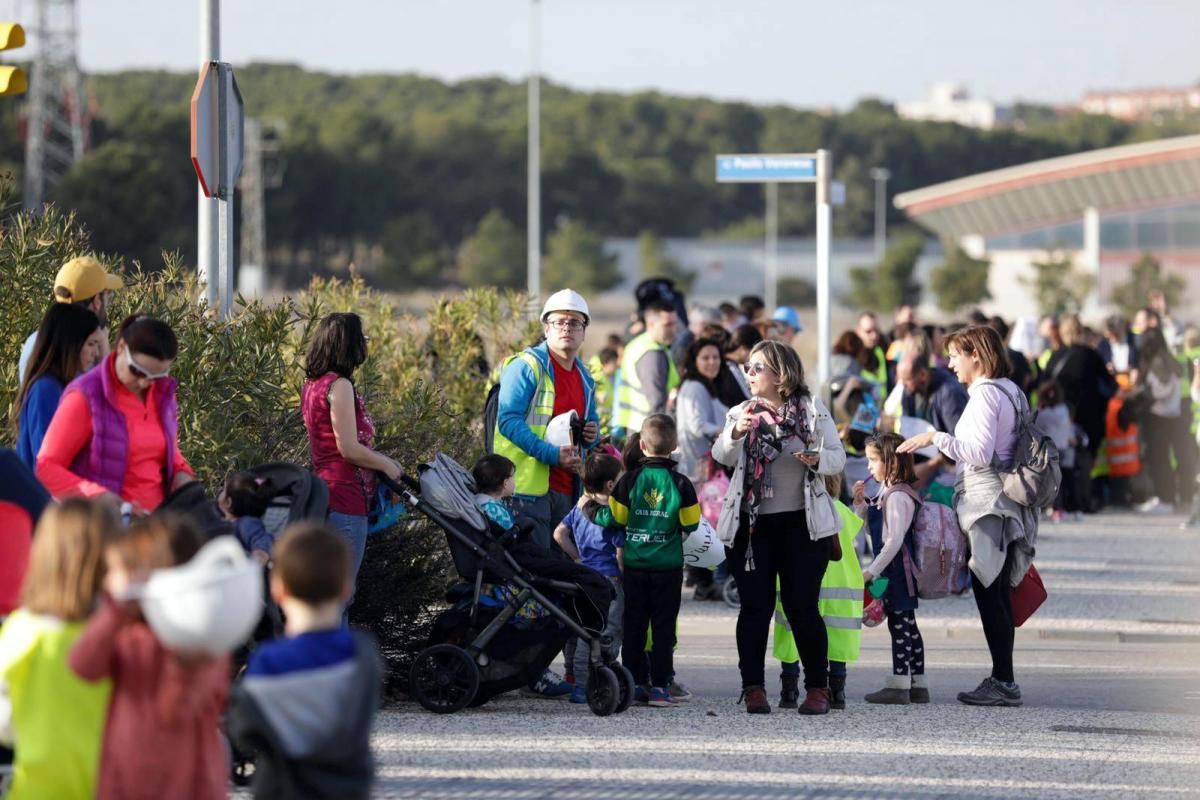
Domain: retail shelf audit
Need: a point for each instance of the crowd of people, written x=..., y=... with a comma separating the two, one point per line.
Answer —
x=691, y=414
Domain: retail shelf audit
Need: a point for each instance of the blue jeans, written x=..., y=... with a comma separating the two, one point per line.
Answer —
x=354, y=528
x=547, y=511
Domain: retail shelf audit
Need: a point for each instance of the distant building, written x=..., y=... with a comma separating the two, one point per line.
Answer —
x=1103, y=208
x=1142, y=104
x=951, y=102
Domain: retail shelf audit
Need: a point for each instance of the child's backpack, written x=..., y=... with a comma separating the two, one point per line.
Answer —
x=935, y=551
x=1033, y=477
x=711, y=493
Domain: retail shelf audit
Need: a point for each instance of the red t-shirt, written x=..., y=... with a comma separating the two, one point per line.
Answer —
x=568, y=396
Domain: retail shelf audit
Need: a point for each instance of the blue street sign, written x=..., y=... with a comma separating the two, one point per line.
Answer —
x=767, y=168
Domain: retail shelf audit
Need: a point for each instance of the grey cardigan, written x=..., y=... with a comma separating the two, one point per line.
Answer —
x=732, y=453
x=700, y=417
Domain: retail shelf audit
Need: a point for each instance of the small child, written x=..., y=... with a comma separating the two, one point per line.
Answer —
x=56, y=720
x=243, y=501
x=585, y=536
x=1054, y=415
x=898, y=503
x=321, y=673
x=495, y=481
x=656, y=506
x=162, y=737
x=841, y=606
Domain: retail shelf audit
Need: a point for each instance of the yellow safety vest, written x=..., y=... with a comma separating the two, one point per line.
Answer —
x=841, y=602
x=632, y=405
x=603, y=393
x=533, y=477
x=880, y=374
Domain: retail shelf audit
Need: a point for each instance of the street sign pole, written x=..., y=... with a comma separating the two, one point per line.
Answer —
x=208, y=211
x=771, y=295
x=774, y=169
x=218, y=127
x=824, y=229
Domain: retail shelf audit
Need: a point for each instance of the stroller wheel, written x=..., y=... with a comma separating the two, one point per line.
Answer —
x=603, y=692
x=625, y=682
x=444, y=679
x=729, y=593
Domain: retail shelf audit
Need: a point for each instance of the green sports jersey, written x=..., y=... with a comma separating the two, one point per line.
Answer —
x=657, y=507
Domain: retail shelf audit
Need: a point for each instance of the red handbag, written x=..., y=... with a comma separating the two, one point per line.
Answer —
x=1027, y=596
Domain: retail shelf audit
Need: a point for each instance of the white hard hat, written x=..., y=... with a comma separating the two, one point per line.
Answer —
x=558, y=432
x=208, y=605
x=566, y=300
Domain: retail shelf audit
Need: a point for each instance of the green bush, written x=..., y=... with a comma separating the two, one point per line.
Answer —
x=240, y=381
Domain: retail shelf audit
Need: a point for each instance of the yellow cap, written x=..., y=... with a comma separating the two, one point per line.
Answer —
x=83, y=277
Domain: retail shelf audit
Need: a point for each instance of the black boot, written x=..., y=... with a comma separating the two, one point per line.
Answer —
x=789, y=694
x=837, y=692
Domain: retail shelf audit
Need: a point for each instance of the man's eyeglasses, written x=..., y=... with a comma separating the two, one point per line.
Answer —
x=757, y=368
x=141, y=372
x=572, y=325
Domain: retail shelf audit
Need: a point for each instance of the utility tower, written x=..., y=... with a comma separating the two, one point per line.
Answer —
x=57, y=132
x=262, y=169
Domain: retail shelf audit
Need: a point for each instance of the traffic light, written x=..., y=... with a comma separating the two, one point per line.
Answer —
x=12, y=79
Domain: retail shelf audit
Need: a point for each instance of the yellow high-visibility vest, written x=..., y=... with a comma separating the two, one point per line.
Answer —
x=841, y=601
x=632, y=404
x=533, y=477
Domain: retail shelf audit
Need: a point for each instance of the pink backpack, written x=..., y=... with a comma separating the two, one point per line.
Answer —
x=937, y=563
x=711, y=494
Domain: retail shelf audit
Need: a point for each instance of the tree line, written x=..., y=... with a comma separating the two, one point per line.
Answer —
x=418, y=182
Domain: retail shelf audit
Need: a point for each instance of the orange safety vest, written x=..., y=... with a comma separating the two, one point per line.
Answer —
x=1120, y=444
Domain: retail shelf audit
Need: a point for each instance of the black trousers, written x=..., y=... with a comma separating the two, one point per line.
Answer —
x=651, y=603
x=1159, y=432
x=995, y=612
x=782, y=550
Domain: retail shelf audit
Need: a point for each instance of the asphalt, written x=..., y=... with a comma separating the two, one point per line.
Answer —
x=1109, y=668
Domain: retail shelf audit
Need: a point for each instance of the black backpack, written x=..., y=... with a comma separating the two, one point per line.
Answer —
x=491, y=413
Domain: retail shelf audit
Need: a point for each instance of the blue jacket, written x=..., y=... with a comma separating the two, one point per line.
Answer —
x=518, y=384
x=36, y=413
x=253, y=534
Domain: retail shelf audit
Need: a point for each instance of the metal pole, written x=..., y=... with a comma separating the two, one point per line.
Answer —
x=534, y=212
x=771, y=276
x=824, y=229
x=225, y=197
x=207, y=225
x=880, y=176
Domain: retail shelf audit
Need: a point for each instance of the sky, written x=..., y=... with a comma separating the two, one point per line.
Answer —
x=793, y=52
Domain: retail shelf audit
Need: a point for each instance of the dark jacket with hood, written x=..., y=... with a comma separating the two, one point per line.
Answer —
x=309, y=730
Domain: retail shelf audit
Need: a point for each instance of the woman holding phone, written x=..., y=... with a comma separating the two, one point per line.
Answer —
x=773, y=440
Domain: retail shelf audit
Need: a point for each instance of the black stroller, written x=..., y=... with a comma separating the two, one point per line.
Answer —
x=476, y=651
x=299, y=495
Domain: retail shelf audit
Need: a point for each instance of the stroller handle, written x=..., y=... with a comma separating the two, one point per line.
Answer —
x=409, y=481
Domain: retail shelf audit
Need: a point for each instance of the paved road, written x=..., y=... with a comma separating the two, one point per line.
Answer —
x=1110, y=669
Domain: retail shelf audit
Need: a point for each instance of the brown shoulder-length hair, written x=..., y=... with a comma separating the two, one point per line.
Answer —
x=784, y=362
x=60, y=339
x=984, y=343
x=897, y=467
x=337, y=346
x=66, y=564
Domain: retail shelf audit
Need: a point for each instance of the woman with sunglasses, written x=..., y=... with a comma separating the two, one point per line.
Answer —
x=773, y=440
x=116, y=431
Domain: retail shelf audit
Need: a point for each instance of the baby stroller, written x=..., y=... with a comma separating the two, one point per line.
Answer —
x=477, y=650
x=299, y=495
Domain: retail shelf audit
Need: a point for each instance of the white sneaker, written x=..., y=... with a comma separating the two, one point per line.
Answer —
x=1155, y=506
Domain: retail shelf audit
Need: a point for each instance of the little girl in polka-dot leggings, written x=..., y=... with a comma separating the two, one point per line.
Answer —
x=890, y=516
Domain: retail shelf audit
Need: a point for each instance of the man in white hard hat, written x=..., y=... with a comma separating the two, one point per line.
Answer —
x=85, y=282
x=536, y=386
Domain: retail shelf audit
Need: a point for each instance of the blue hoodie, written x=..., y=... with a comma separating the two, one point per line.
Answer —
x=518, y=384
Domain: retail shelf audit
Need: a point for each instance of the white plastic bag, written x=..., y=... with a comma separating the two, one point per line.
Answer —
x=702, y=548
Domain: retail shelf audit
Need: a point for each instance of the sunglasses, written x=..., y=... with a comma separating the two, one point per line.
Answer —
x=757, y=368
x=141, y=372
